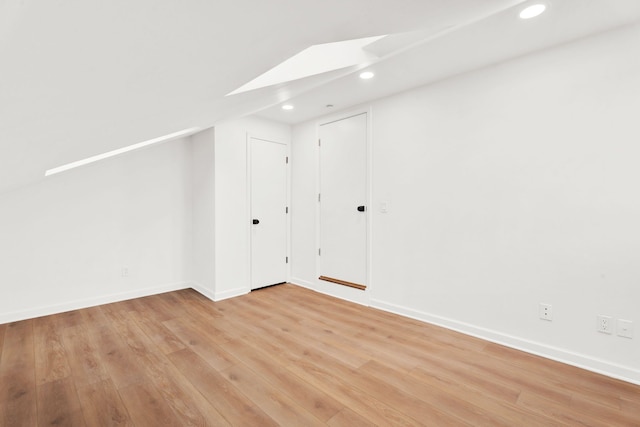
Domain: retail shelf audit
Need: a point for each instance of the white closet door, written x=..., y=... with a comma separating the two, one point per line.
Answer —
x=268, y=213
x=343, y=199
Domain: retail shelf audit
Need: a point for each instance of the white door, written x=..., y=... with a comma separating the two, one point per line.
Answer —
x=343, y=196
x=268, y=172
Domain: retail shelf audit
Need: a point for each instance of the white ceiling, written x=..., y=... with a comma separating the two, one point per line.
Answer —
x=82, y=77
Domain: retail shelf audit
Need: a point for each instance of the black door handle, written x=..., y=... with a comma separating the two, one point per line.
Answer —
x=256, y=221
x=360, y=208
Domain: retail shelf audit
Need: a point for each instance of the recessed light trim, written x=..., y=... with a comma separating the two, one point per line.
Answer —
x=366, y=75
x=532, y=11
x=92, y=159
x=287, y=107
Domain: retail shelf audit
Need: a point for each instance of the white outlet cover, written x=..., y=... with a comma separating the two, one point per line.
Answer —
x=605, y=324
x=625, y=328
x=545, y=311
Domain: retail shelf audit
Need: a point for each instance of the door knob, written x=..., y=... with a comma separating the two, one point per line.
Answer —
x=256, y=221
x=360, y=208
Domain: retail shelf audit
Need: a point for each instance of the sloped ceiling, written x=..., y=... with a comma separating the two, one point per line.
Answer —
x=82, y=77
x=427, y=58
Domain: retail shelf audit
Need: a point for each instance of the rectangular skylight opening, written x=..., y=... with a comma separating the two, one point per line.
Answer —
x=316, y=59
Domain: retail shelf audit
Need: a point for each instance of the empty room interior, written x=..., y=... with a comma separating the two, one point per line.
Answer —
x=297, y=212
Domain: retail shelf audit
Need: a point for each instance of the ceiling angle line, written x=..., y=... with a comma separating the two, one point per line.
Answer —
x=117, y=152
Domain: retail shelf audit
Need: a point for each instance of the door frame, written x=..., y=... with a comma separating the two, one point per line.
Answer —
x=248, y=216
x=351, y=294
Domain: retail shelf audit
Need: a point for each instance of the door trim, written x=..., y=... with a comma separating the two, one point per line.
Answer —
x=248, y=216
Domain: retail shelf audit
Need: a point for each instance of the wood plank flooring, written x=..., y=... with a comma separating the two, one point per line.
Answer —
x=283, y=356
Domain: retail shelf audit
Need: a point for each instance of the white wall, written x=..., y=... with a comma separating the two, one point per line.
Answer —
x=174, y=215
x=304, y=192
x=507, y=187
x=203, y=213
x=231, y=200
x=65, y=240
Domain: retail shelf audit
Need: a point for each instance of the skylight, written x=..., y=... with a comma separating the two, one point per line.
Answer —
x=314, y=60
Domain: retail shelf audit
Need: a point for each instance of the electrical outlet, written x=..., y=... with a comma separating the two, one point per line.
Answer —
x=605, y=324
x=625, y=328
x=125, y=271
x=545, y=311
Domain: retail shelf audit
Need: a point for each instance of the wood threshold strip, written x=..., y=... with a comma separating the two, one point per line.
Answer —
x=343, y=282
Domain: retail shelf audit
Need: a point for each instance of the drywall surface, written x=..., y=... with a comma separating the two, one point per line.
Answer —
x=232, y=268
x=506, y=187
x=113, y=230
x=203, y=212
x=304, y=199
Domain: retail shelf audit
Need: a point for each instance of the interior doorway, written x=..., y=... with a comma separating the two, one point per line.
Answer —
x=343, y=201
x=268, y=211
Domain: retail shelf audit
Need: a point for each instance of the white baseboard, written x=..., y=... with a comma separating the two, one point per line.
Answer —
x=202, y=290
x=609, y=369
x=219, y=296
x=90, y=302
x=302, y=283
x=346, y=294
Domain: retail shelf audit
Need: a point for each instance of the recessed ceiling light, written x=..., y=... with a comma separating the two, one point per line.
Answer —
x=366, y=75
x=532, y=11
x=287, y=107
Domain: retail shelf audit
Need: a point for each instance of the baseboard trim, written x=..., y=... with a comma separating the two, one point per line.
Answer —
x=203, y=291
x=231, y=293
x=91, y=302
x=609, y=369
x=302, y=283
x=315, y=288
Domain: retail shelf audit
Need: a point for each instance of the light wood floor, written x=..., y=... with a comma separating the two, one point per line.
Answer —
x=282, y=356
